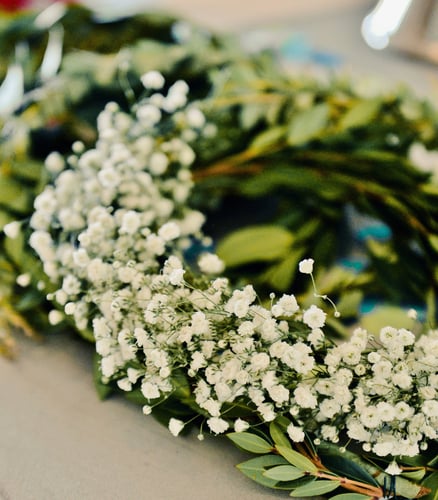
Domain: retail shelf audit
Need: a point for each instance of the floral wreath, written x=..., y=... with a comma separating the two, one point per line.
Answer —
x=117, y=229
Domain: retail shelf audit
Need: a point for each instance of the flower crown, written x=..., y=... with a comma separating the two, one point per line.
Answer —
x=119, y=233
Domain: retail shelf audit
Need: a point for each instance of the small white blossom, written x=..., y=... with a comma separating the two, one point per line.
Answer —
x=12, y=229
x=210, y=264
x=175, y=426
x=240, y=425
x=314, y=317
x=217, y=425
x=306, y=266
x=153, y=80
x=23, y=280
x=55, y=317
x=295, y=433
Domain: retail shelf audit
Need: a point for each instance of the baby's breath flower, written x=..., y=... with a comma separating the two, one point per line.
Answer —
x=217, y=425
x=210, y=264
x=240, y=425
x=153, y=80
x=12, y=229
x=314, y=317
x=306, y=266
x=175, y=426
x=295, y=433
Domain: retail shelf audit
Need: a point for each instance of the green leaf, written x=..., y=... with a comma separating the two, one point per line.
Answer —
x=432, y=483
x=315, y=488
x=284, y=473
x=250, y=442
x=351, y=496
x=251, y=115
x=268, y=138
x=360, y=114
x=415, y=475
x=255, y=244
x=13, y=196
x=255, y=467
x=281, y=275
x=383, y=316
x=342, y=466
x=307, y=124
x=295, y=458
x=278, y=435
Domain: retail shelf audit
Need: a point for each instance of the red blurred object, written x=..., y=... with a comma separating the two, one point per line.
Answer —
x=12, y=5
x=15, y=5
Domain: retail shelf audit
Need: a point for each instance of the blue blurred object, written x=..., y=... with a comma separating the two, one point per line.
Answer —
x=297, y=48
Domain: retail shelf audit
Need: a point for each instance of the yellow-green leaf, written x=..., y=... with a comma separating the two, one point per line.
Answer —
x=250, y=442
x=307, y=124
x=255, y=244
x=360, y=114
x=284, y=473
x=315, y=488
x=295, y=458
x=255, y=467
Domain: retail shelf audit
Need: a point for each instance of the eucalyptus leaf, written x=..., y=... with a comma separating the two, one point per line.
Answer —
x=318, y=487
x=351, y=496
x=280, y=276
x=284, y=473
x=278, y=435
x=250, y=442
x=296, y=459
x=384, y=315
x=360, y=114
x=306, y=125
x=344, y=467
x=255, y=467
x=268, y=138
x=254, y=244
x=431, y=482
x=13, y=196
x=415, y=475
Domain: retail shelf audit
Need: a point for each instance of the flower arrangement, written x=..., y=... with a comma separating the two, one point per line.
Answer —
x=235, y=334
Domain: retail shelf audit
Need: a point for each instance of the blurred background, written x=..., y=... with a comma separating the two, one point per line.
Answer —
x=395, y=40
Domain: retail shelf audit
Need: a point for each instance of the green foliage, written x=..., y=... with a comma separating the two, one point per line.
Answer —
x=345, y=467
x=432, y=483
x=315, y=488
x=297, y=459
x=284, y=473
x=256, y=467
x=308, y=124
x=254, y=244
x=351, y=496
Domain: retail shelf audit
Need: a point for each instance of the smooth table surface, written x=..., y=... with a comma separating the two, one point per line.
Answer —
x=58, y=441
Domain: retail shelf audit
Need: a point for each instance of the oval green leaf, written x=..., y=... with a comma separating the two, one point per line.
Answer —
x=360, y=114
x=284, y=473
x=255, y=467
x=295, y=458
x=250, y=442
x=432, y=483
x=278, y=435
x=255, y=244
x=351, y=496
x=307, y=124
x=315, y=488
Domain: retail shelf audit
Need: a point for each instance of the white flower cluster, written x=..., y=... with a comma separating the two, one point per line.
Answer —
x=112, y=212
x=112, y=229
